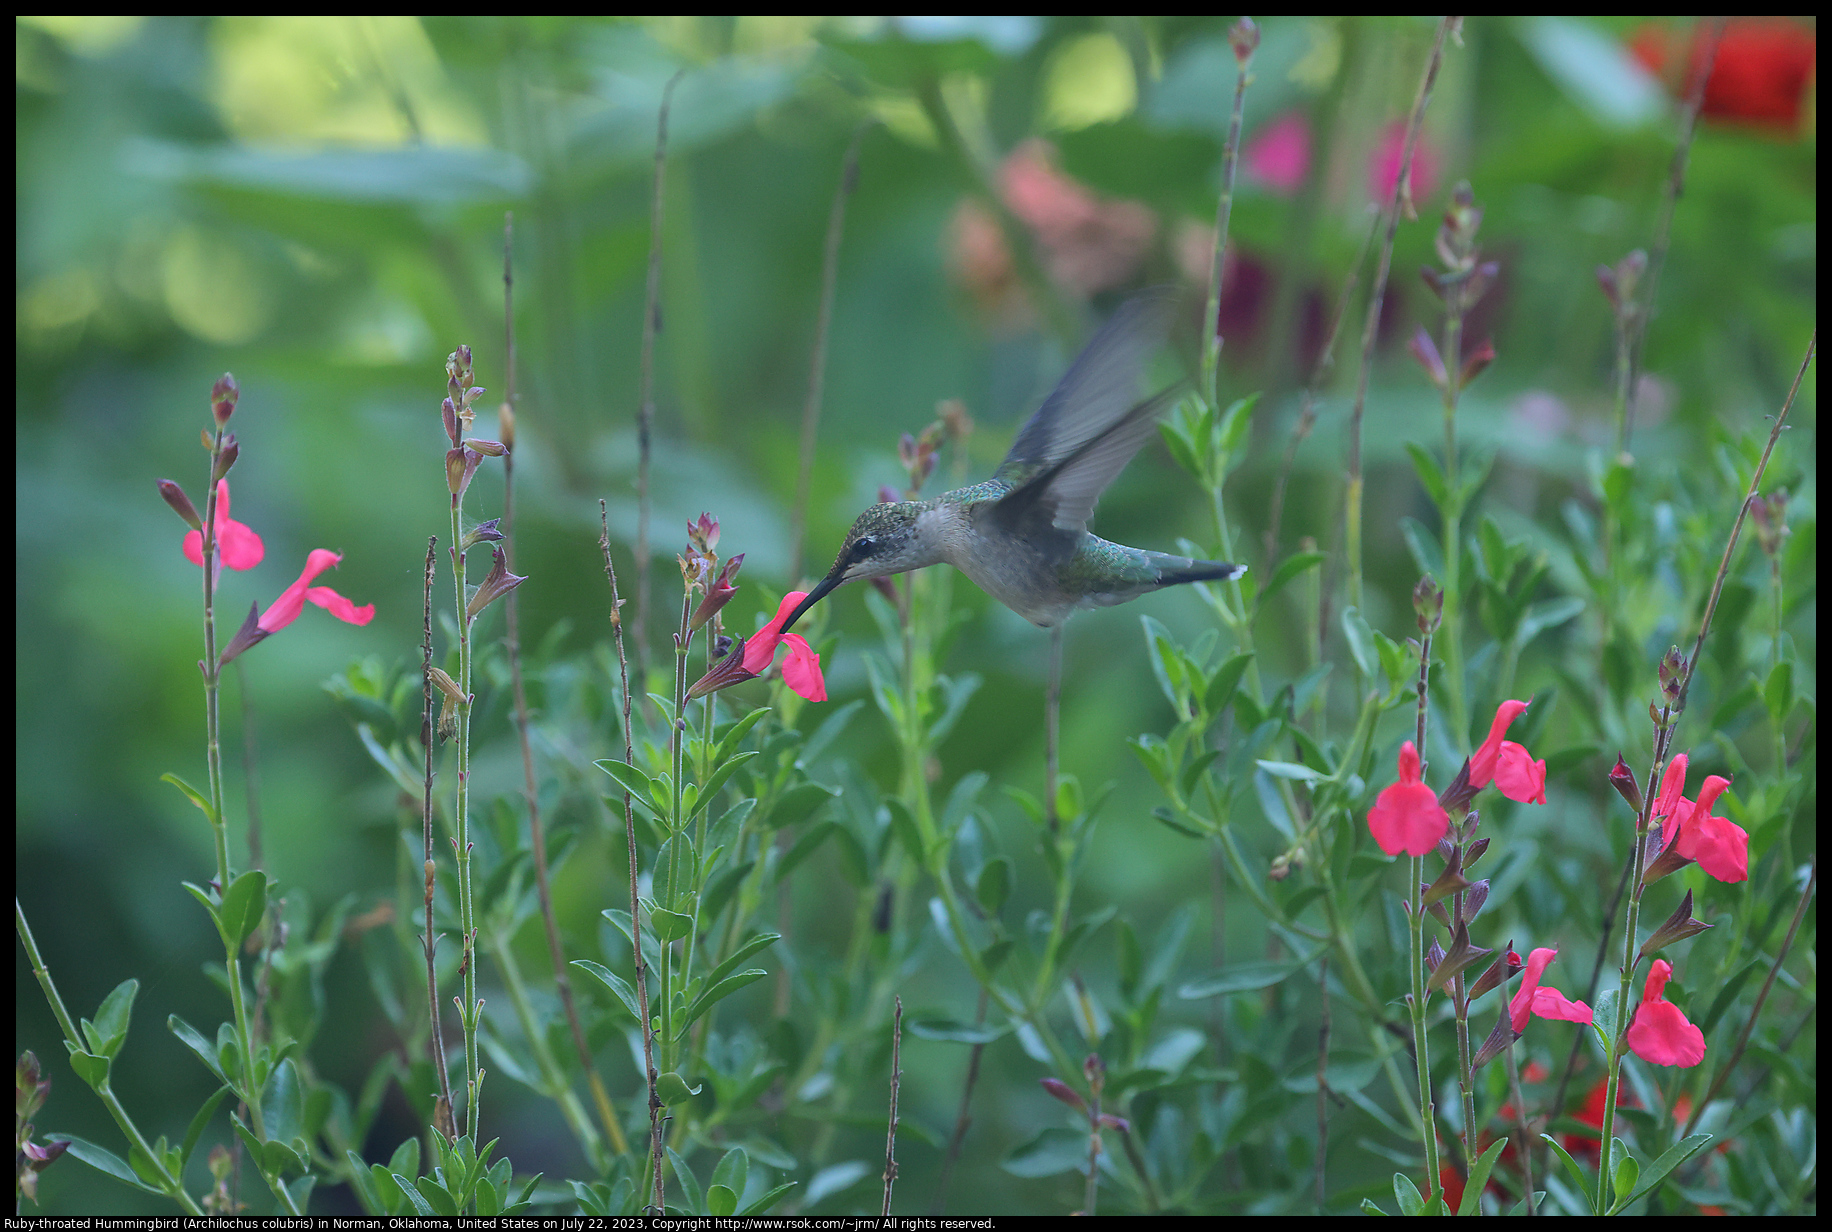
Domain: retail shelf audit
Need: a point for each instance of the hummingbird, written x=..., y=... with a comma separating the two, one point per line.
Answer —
x=1022, y=536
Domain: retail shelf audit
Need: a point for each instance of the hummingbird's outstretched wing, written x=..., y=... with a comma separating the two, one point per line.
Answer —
x=1088, y=428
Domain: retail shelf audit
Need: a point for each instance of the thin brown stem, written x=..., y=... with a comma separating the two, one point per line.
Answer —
x=817, y=365
x=1224, y=208
x=1663, y=225
x=890, y=1135
x=629, y=829
x=645, y=415
x=1401, y=195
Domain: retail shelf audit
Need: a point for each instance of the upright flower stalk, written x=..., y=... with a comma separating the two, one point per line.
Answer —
x=461, y=462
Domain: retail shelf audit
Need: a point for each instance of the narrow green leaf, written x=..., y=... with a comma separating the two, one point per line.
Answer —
x=196, y=797
x=1478, y=1178
x=103, y=1160
x=1288, y=569
x=670, y=925
x=611, y=980
x=244, y=903
x=112, y=1018
x=1223, y=683
x=1361, y=643
x=628, y=777
x=717, y=779
x=797, y=805
x=1429, y=472
x=412, y=1194
x=198, y=1124
x=1411, y=1202
x=1622, y=1181
x=1661, y=1168
x=768, y=1199
x=1578, y=1179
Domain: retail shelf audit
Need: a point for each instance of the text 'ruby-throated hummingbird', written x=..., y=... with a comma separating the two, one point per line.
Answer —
x=1022, y=536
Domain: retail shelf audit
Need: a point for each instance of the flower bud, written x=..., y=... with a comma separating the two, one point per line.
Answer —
x=223, y=397
x=887, y=495
x=460, y=465
x=1770, y=514
x=483, y=532
x=499, y=583
x=1064, y=1092
x=174, y=496
x=1243, y=39
x=1426, y=352
x=718, y=594
x=955, y=420
x=1476, y=361
x=505, y=424
x=1672, y=675
x=703, y=532
x=494, y=449
x=225, y=457
x=449, y=413
x=1623, y=780
x=1428, y=603
x=726, y=672
x=1095, y=1071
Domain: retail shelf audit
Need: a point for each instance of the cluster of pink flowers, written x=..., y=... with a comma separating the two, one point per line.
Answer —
x=1407, y=816
x=752, y=657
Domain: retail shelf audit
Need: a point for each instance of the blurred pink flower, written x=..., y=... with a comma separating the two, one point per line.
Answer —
x=1383, y=168
x=1278, y=156
x=284, y=610
x=237, y=546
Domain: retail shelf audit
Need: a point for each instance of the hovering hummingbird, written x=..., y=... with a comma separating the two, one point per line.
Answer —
x=1022, y=536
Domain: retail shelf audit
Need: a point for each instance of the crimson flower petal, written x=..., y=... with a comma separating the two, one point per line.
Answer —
x=1660, y=1033
x=1522, y=1002
x=237, y=546
x=1518, y=776
x=339, y=606
x=1482, y=763
x=1720, y=845
x=760, y=648
x=284, y=610
x=1406, y=816
x=802, y=669
x=1671, y=802
x=1551, y=1003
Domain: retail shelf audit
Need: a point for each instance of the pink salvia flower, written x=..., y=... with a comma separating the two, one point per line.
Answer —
x=284, y=610
x=1508, y=765
x=1530, y=998
x=1279, y=154
x=802, y=669
x=1383, y=168
x=1660, y=1033
x=1720, y=845
x=1407, y=817
x=1671, y=802
x=237, y=546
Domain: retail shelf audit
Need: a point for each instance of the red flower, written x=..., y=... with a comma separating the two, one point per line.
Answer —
x=1407, y=816
x=1719, y=845
x=1660, y=1034
x=236, y=546
x=1546, y=1002
x=1279, y=154
x=802, y=669
x=1760, y=75
x=1383, y=168
x=284, y=610
x=1508, y=765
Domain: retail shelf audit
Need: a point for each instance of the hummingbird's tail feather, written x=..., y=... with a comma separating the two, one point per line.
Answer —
x=1176, y=570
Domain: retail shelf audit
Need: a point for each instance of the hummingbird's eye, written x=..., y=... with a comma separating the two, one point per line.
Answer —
x=865, y=545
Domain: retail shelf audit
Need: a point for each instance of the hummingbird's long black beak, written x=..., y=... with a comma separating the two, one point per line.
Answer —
x=814, y=596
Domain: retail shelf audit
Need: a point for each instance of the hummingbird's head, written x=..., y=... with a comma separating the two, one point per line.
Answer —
x=886, y=539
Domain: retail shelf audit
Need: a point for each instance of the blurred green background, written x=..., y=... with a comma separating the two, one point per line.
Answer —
x=317, y=205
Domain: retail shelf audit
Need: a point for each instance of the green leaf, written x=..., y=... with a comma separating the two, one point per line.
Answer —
x=198, y=1124
x=1291, y=770
x=197, y=798
x=1478, y=1178
x=103, y=1160
x=1627, y=1169
x=1661, y=1168
x=1240, y=977
x=736, y=732
x=672, y=1089
x=805, y=846
x=1050, y=1152
x=1411, y=1202
x=1223, y=683
x=1289, y=568
x=628, y=777
x=109, y=1031
x=716, y=993
x=947, y=1030
x=1361, y=643
x=611, y=980
x=721, y=1201
x=690, y=1186
x=768, y=1199
x=1579, y=1180
x=1778, y=692
x=730, y=1172
x=717, y=779
x=797, y=805
x=1236, y=422
x=412, y=1194
x=244, y=903
x=1423, y=545
x=994, y=885
x=751, y=945
x=1430, y=473
x=670, y=925
x=1548, y=614
x=1166, y=663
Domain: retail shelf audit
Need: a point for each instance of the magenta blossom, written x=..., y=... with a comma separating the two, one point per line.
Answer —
x=1508, y=765
x=1278, y=157
x=1660, y=1033
x=802, y=669
x=1383, y=168
x=1407, y=816
x=284, y=610
x=1719, y=845
x=1545, y=1002
x=237, y=546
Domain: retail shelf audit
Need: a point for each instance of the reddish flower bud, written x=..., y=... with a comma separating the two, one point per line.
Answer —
x=223, y=396
x=1095, y=1071
x=955, y=420
x=460, y=465
x=174, y=496
x=1672, y=675
x=225, y=457
x=1623, y=780
x=1064, y=1092
x=494, y=449
x=449, y=413
x=1116, y=1122
x=505, y=425
x=726, y=672
x=887, y=495
x=1243, y=39
x=718, y=594
x=703, y=533
x=1476, y=361
x=484, y=532
x=1770, y=514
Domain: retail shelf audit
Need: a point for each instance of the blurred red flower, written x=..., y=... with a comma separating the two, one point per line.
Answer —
x=1760, y=77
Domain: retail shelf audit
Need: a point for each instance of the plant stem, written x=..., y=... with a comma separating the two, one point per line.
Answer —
x=890, y=1137
x=1401, y=193
x=1224, y=208
x=629, y=830
x=1052, y=726
x=645, y=415
x=442, y=1108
